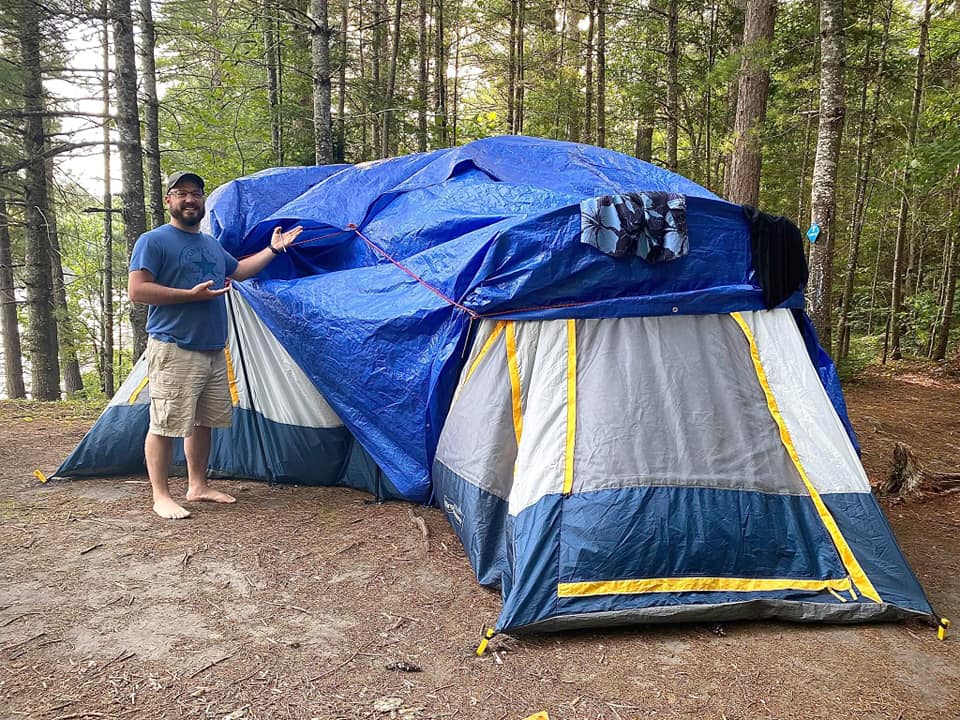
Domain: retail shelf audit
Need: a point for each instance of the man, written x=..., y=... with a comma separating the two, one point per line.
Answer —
x=183, y=274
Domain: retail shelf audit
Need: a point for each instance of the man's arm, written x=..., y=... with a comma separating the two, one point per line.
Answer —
x=280, y=241
x=143, y=288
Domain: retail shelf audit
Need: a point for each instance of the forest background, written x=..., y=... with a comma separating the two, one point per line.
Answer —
x=843, y=115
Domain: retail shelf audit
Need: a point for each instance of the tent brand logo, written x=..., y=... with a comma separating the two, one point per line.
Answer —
x=453, y=510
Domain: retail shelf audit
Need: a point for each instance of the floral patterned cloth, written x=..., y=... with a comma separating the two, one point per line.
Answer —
x=650, y=225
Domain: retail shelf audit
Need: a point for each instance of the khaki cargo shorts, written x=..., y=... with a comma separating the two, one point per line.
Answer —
x=187, y=388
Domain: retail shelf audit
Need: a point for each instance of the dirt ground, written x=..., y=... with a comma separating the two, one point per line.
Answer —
x=311, y=603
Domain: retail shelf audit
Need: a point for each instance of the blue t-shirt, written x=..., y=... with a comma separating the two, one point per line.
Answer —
x=180, y=259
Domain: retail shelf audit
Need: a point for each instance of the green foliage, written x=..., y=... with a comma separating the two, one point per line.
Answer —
x=864, y=351
x=215, y=112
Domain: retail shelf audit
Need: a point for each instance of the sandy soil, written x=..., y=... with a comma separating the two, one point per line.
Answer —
x=311, y=603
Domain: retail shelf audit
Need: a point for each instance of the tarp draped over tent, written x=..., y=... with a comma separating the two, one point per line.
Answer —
x=493, y=227
x=409, y=268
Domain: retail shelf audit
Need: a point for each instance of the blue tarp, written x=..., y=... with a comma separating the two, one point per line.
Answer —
x=398, y=256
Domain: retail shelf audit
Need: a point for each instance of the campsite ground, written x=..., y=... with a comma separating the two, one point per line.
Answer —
x=310, y=603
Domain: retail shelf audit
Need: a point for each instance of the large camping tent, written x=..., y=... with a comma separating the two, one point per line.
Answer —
x=600, y=371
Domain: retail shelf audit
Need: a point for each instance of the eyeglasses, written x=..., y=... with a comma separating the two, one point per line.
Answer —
x=195, y=194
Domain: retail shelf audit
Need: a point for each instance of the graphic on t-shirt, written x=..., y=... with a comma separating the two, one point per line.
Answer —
x=198, y=265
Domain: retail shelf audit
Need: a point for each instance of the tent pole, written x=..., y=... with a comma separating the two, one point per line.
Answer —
x=253, y=409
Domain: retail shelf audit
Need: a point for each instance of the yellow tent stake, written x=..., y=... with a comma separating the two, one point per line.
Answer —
x=39, y=476
x=490, y=632
x=942, y=630
x=542, y=715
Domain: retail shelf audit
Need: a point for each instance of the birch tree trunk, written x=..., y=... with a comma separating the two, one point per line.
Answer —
x=743, y=176
x=824, y=186
x=131, y=155
x=41, y=335
x=12, y=363
x=151, y=107
x=900, y=244
x=320, y=45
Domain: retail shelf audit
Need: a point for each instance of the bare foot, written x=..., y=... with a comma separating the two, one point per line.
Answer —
x=168, y=509
x=210, y=495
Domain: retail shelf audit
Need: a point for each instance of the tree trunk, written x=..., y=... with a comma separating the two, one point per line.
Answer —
x=602, y=73
x=41, y=336
x=151, y=106
x=388, y=141
x=341, y=148
x=320, y=34
x=876, y=274
x=950, y=280
x=563, y=21
x=271, y=56
x=743, y=176
x=900, y=245
x=12, y=365
x=823, y=194
x=66, y=337
x=423, y=77
x=805, y=159
x=866, y=131
x=376, y=57
x=643, y=145
x=588, y=74
x=440, y=76
x=708, y=94
x=216, y=59
x=106, y=301
x=909, y=481
x=512, y=68
x=454, y=102
x=131, y=156
x=673, y=85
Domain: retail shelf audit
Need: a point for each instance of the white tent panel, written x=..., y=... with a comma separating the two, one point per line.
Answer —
x=284, y=393
x=821, y=442
x=542, y=349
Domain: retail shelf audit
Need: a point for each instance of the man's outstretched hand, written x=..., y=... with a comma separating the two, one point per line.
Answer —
x=202, y=291
x=281, y=240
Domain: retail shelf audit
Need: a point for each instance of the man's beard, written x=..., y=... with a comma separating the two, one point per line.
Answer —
x=188, y=221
